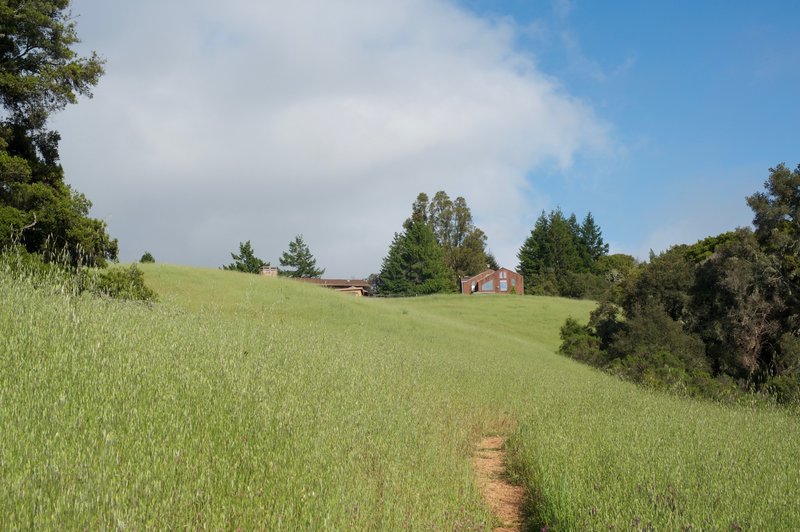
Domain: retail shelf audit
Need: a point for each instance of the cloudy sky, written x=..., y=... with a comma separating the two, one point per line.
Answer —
x=219, y=123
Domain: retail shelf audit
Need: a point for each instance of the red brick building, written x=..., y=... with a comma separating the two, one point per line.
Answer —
x=493, y=282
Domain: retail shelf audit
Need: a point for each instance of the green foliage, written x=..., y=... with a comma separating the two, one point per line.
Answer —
x=590, y=237
x=704, y=249
x=33, y=270
x=245, y=261
x=722, y=312
x=666, y=281
x=579, y=342
x=616, y=270
x=147, y=257
x=560, y=256
x=41, y=74
x=739, y=301
x=415, y=264
x=463, y=244
x=299, y=258
x=122, y=283
x=777, y=223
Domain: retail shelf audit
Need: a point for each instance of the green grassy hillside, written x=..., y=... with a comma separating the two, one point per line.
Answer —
x=241, y=401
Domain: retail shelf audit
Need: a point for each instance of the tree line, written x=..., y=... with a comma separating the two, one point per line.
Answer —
x=715, y=318
x=562, y=257
x=439, y=244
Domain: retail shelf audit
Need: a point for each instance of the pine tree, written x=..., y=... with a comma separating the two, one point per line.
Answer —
x=555, y=250
x=300, y=258
x=415, y=264
x=245, y=261
x=532, y=253
x=591, y=242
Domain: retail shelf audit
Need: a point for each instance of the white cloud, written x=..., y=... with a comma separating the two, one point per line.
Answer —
x=263, y=120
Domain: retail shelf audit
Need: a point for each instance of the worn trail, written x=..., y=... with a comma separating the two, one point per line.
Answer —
x=504, y=498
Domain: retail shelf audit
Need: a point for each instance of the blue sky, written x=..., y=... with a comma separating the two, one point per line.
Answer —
x=701, y=97
x=263, y=120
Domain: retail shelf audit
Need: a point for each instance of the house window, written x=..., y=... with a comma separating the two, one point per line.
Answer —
x=488, y=286
x=513, y=282
x=502, y=275
x=504, y=286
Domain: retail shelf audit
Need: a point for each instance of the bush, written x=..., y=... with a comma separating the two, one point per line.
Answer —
x=123, y=283
x=61, y=276
x=147, y=257
x=578, y=342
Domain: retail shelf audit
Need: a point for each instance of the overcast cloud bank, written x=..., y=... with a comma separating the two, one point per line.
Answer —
x=259, y=121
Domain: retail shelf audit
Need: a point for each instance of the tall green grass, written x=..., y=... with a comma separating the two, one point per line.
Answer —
x=240, y=401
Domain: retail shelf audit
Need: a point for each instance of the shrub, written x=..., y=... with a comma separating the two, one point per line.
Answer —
x=147, y=257
x=578, y=342
x=123, y=283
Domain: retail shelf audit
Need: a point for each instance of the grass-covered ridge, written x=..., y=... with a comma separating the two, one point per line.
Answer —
x=240, y=401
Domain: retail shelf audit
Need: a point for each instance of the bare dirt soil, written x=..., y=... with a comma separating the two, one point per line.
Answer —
x=504, y=498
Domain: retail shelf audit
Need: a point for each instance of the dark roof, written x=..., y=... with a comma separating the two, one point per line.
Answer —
x=336, y=283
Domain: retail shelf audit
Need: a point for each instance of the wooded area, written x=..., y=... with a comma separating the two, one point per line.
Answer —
x=715, y=318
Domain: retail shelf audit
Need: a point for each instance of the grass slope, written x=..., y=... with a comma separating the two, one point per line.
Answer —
x=240, y=401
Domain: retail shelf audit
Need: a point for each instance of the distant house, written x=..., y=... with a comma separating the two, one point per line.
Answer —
x=269, y=271
x=356, y=287
x=493, y=282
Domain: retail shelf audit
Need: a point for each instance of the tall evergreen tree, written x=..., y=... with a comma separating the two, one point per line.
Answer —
x=558, y=251
x=415, y=264
x=532, y=253
x=299, y=258
x=245, y=261
x=41, y=74
x=561, y=250
x=591, y=242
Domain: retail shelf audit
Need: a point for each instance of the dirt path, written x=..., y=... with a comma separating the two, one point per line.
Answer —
x=505, y=499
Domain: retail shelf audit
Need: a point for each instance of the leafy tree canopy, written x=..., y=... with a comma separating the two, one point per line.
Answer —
x=245, y=261
x=147, y=257
x=715, y=316
x=41, y=74
x=300, y=259
x=463, y=244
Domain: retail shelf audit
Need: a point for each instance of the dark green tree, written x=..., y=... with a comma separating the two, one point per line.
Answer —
x=300, y=259
x=532, y=253
x=41, y=74
x=592, y=246
x=147, y=257
x=777, y=223
x=491, y=262
x=245, y=261
x=551, y=254
x=415, y=264
x=738, y=305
